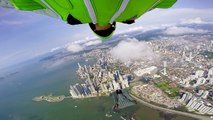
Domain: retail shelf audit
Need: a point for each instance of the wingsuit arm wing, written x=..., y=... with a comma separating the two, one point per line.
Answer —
x=29, y=5
x=166, y=4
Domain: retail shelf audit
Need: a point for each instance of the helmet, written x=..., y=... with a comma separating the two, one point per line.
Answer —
x=104, y=34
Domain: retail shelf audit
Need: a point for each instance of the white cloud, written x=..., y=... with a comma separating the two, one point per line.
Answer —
x=86, y=40
x=197, y=20
x=167, y=16
x=178, y=14
x=174, y=30
x=75, y=48
x=132, y=50
x=54, y=49
x=93, y=42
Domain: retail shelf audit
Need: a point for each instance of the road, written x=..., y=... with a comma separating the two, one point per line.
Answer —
x=170, y=110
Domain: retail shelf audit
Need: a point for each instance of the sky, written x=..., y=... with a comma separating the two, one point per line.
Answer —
x=24, y=35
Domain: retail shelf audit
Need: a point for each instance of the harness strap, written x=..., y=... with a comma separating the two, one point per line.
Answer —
x=121, y=10
x=90, y=11
x=116, y=15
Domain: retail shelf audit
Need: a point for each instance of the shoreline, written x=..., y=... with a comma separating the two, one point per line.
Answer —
x=170, y=110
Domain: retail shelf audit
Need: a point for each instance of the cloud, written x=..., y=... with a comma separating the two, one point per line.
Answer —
x=197, y=20
x=93, y=42
x=79, y=45
x=55, y=49
x=174, y=30
x=132, y=50
x=177, y=14
x=75, y=48
x=167, y=16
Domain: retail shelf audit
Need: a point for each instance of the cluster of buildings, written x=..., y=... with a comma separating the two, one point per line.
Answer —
x=186, y=64
x=180, y=61
x=200, y=77
x=99, y=80
x=150, y=70
x=154, y=94
x=194, y=103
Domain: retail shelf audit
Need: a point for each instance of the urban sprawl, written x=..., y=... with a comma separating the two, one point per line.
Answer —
x=181, y=76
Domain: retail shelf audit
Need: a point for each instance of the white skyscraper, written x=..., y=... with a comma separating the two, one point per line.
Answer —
x=205, y=94
x=79, y=66
x=190, y=56
x=184, y=54
x=115, y=85
x=110, y=86
x=183, y=98
x=194, y=103
x=73, y=93
x=164, y=67
x=201, y=107
x=210, y=111
x=197, y=105
x=191, y=101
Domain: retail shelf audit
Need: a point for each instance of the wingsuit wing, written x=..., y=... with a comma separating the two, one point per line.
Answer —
x=36, y=7
x=166, y=4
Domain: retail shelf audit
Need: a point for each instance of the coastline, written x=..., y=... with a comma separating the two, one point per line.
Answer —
x=170, y=110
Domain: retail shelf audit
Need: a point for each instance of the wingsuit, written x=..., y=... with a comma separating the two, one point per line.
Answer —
x=100, y=12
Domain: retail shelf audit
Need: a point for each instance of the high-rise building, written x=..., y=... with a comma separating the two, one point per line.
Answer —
x=124, y=83
x=116, y=85
x=202, y=110
x=194, y=103
x=183, y=97
x=206, y=110
x=211, y=80
x=190, y=56
x=164, y=67
x=188, y=97
x=210, y=111
x=110, y=86
x=200, y=81
x=191, y=101
x=210, y=72
x=197, y=105
x=73, y=93
x=79, y=66
x=205, y=94
x=103, y=88
x=201, y=107
x=184, y=54
x=200, y=92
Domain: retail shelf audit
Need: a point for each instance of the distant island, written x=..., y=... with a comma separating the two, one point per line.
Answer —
x=49, y=98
